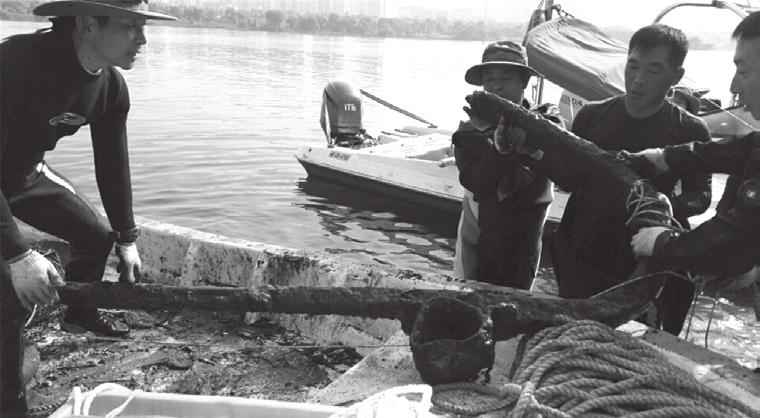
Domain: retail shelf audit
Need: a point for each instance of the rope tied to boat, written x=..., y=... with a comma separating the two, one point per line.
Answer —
x=587, y=369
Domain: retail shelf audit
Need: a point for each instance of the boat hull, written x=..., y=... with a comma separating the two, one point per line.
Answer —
x=418, y=168
x=448, y=204
x=179, y=256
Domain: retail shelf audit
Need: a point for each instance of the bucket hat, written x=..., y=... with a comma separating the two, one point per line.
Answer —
x=115, y=8
x=500, y=53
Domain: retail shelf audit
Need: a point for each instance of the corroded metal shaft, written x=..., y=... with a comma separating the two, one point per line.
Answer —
x=432, y=317
x=609, y=174
x=515, y=311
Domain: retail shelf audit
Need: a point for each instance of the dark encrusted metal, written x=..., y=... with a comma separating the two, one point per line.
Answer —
x=611, y=175
x=512, y=311
x=451, y=341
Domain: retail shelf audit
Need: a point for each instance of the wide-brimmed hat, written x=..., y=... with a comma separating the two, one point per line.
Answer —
x=115, y=8
x=500, y=53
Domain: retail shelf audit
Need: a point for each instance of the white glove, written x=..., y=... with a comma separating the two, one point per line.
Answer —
x=35, y=278
x=643, y=242
x=129, y=263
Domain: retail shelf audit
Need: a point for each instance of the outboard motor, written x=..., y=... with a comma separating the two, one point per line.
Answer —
x=341, y=116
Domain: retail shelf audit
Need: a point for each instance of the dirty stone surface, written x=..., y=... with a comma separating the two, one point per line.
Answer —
x=187, y=352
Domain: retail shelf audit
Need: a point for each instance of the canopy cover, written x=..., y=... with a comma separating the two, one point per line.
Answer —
x=581, y=59
x=578, y=57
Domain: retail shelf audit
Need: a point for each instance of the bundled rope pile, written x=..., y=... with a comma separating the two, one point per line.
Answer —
x=586, y=369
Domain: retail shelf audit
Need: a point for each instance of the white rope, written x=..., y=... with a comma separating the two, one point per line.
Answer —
x=83, y=401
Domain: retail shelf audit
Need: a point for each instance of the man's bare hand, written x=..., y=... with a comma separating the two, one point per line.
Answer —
x=648, y=163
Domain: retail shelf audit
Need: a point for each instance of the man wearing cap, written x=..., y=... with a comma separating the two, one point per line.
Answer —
x=591, y=251
x=506, y=204
x=53, y=82
x=727, y=245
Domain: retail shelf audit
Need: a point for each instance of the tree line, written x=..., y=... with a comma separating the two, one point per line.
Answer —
x=280, y=20
x=352, y=25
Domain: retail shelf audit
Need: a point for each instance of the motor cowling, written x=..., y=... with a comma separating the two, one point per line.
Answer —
x=341, y=115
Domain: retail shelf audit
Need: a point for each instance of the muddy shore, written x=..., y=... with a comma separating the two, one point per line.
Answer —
x=188, y=352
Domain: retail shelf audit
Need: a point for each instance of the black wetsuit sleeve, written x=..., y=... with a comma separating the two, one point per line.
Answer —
x=11, y=241
x=726, y=244
x=724, y=156
x=696, y=187
x=109, y=144
x=729, y=243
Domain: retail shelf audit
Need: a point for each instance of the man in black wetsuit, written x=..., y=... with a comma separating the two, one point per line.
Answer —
x=729, y=243
x=53, y=82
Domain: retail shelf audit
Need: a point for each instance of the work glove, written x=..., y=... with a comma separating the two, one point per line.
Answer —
x=648, y=163
x=129, y=263
x=508, y=139
x=35, y=279
x=644, y=240
x=476, y=121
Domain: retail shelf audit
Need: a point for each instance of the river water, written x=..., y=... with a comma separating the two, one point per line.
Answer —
x=216, y=115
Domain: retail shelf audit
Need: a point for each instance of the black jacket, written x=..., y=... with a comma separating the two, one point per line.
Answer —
x=728, y=243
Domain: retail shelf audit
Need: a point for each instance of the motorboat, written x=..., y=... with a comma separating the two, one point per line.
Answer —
x=414, y=163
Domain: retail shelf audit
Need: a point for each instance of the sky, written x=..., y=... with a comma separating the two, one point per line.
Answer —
x=625, y=13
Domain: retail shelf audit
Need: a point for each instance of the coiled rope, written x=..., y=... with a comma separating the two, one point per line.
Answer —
x=587, y=369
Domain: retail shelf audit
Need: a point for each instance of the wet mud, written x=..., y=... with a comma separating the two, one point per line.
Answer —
x=188, y=351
